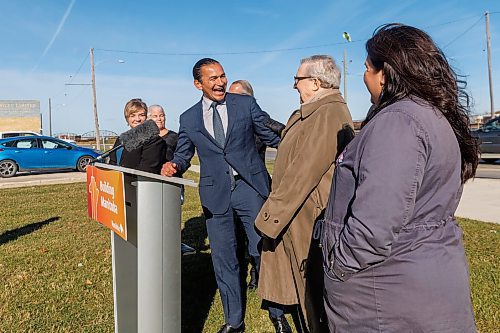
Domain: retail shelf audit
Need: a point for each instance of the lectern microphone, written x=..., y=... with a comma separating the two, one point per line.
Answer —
x=134, y=138
x=137, y=136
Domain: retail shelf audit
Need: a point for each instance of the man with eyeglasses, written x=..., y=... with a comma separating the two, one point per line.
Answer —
x=233, y=179
x=291, y=268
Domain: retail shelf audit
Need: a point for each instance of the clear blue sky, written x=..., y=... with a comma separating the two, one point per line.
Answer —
x=45, y=44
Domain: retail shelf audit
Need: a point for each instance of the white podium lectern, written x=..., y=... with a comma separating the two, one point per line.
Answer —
x=147, y=266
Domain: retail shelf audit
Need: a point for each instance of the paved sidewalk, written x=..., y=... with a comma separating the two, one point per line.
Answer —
x=481, y=200
x=25, y=180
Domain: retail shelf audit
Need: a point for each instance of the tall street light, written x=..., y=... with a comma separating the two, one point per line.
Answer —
x=347, y=37
x=490, y=78
x=50, y=115
x=94, y=97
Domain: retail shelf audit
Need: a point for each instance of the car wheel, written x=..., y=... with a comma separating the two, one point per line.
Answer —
x=489, y=160
x=83, y=162
x=8, y=168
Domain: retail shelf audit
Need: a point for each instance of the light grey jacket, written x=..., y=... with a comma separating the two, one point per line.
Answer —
x=393, y=254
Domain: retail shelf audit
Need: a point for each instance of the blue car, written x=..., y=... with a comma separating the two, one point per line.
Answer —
x=29, y=153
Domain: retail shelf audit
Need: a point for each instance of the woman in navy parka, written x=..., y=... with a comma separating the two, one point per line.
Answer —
x=393, y=253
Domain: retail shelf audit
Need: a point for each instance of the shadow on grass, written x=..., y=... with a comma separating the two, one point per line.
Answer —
x=14, y=234
x=195, y=233
x=198, y=279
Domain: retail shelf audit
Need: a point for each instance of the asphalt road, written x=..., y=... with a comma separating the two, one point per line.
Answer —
x=487, y=171
x=484, y=170
x=479, y=199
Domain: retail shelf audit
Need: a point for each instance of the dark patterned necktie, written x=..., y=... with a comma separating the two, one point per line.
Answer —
x=220, y=137
x=218, y=128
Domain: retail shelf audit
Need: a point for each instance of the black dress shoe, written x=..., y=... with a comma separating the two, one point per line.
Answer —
x=187, y=250
x=226, y=328
x=281, y=325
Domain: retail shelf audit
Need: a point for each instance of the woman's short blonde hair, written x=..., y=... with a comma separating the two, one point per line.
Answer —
x=133, y=106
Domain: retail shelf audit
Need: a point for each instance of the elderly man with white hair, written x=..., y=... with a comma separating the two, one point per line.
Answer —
x=291, y=270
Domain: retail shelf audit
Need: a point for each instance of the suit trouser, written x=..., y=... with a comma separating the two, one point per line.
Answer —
x=246, y=204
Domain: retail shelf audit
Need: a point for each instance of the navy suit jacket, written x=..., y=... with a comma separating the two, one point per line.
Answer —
x=245, y=119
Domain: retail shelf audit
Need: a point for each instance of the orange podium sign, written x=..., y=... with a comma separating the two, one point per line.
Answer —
x=106, y=199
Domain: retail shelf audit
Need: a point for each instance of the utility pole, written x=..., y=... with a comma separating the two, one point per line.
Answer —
x=345, y=75
x=96, y=119
x=50, y=118
x=492, y=103
x=347, y=37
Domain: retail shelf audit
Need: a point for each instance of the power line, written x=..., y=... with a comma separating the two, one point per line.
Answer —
x=463, y=33
x=227, y=53
x=79, y=68
x=454, y=21
x=63, y=91
x=76, y=96
x=270, y=50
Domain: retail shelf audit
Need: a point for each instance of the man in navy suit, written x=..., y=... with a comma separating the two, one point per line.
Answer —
x=233, y=178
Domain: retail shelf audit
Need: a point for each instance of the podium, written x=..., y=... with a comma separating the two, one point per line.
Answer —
x=147, y=263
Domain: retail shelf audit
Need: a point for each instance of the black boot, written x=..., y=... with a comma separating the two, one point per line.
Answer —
x=281, y=325
x=253, y=279
x=226, y=328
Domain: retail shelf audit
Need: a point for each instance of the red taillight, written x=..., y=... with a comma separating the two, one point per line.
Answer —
x=1, y=149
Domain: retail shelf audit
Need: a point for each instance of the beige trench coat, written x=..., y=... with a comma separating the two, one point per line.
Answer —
x=301, y=184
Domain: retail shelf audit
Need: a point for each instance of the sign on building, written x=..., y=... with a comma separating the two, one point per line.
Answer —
x=20, y=115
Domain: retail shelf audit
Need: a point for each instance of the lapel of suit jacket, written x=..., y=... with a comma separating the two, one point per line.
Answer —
x=201, y=124
x=231, y=114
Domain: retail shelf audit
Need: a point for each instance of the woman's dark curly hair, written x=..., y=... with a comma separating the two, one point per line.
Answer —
x=415, y=67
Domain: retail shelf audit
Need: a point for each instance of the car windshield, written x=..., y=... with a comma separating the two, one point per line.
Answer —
x=494, y=125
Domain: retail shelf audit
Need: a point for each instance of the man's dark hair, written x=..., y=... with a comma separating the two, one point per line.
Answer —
x=197, y=67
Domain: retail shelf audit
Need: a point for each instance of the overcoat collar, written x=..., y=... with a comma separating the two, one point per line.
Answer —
x=308, y=108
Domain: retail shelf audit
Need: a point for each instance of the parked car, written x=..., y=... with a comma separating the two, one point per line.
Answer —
x=69, y=140
x=10, y=134
x=489, y=140
x=30, y=153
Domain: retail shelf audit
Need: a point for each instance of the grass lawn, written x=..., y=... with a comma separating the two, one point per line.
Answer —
x=55, y=267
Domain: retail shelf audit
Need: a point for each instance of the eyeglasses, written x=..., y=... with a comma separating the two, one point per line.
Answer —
x=296, y=79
